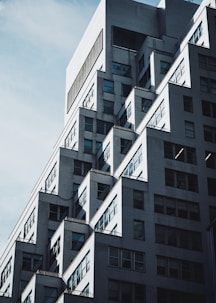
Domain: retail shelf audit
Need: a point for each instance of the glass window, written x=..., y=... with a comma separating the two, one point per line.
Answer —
x=126, y=88
x=164, y=67
x=81, y=168
x=103, y=190
x=77, y=240
x=169, y=177
x=211, y=186
x=53, y=212
x=114, y=256
x=138, y=199
x=108, y=86
x=125, y=145
x=57, y=212
x=208, y=85
x=173, y=268
x=209, y=109
x=139, y=230
x=139, y=293
x=189, y=129
x=103, y=127
x=126, y=292
x=31, y=262
x=89, y=124
x=75, y=188
x=168, y=150
x=98, y=145
x=207, y=63
x=179, y=152
x=88, y=145
x=52, y=175
x=139, y=261
x=127, y=39
x=5, y=273
x=113, y=291
x=170, y=207
x=181, y=181
x=108, y=107
x=206, y=108
x=188, y=104
x=159, y=204
x=126, y=259
x=146, y=104
x=204, y=85
x=186, y=239
x=123, y=119
x=197, y=34
x=50, y=294
x=210, y=159
x=121, y=69
x=209, y=133
x=162, y=266
x=145, y=78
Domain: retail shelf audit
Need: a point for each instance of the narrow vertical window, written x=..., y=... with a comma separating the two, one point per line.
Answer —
x=189, y=129
x=89, y=124
x=108, y=86
x=138, y=199
x=139, y=230
x=88, y=145
x=188, y=104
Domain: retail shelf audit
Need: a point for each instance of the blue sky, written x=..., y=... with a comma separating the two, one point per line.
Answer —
x=37, y=40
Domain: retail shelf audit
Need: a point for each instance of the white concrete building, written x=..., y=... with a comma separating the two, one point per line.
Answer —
x=122, y=210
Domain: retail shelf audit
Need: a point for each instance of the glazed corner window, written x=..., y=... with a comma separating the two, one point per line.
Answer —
x=108, y=107
x=31, y=262
x=81, y=168
x=88, y=146
x=138, y=199
x=125, y=145
x=188, y=104
x=88, y=124
x=139, y=230
x=164, y=67
x=50, y=294
x=77, y=240
x=146, y=104
x=102, y=191
x=121, y=69
x=108, y=86
x=189, y=129
x=57, y=212
x=126, y=88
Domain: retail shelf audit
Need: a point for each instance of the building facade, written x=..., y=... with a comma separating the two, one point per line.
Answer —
x=123, y=211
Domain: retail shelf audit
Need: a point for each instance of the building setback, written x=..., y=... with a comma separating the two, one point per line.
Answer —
x=124, y=210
